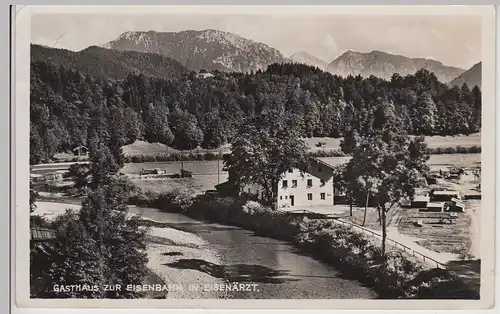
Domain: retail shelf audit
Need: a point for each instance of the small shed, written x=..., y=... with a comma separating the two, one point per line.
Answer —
x=444, y=196
x=186, y=174
x=321, y=144
x=160, y=171
x=435, y=207
x=153, y=171
x=456, y=205
x=420, y=201
x=42, y=234
x=80, y=150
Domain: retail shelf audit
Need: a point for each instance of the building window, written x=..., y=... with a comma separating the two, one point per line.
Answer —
x=286, y=197
x=285, y=183
x=249, y=191
x=320, y=169
x=322, y=182
x=322, y=196
x=309, y=196
x=309, y=182
x=281, y=197
x=294, y=183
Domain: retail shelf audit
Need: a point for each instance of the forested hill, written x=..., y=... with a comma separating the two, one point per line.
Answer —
x=67, y=107
x=112, y=64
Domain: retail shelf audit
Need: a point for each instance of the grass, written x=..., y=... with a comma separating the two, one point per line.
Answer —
x=197, y=184
x=204, y=176
x=449, y=238
x=205, y=172
x=145, y=148
x=197, y=167
x=372, y=220
x=455, y=160
x=453, y=141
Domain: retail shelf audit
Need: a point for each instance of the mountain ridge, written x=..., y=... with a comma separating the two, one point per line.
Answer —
x=471, y=77
x=308, y=59
x=107, y=63
x=383, y=65
x=207, y=49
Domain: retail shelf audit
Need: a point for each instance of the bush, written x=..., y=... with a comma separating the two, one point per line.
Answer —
x=172, y=201
x=455, y=150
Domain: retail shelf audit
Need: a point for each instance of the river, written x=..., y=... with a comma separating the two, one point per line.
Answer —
x=275, y=266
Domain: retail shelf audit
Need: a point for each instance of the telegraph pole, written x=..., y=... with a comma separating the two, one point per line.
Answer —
x=182, y=161
x=218, y=168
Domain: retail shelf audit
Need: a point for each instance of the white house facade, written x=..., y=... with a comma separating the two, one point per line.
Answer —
x=302, y=189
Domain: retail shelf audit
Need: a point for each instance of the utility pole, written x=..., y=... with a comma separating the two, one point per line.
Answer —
x=218, y=168
x=182, y=161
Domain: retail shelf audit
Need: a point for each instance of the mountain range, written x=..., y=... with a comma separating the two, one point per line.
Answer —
x=305, y=58
x=207, y=49
x=471, y=77
x=384, y=65
x=172, y=54
x=97, y=61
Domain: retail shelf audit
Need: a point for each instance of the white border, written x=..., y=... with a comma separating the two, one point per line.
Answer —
x=21, y=160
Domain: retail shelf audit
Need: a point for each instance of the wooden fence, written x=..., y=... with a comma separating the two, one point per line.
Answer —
x=371, y=233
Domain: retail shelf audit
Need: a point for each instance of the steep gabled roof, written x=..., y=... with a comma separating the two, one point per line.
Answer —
x=332, y=162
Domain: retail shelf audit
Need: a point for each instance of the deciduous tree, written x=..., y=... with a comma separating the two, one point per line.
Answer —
x=264, y=149
x=388, y=165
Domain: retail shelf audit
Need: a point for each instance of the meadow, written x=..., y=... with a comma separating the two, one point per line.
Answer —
x=205, y=172
x=144, y=148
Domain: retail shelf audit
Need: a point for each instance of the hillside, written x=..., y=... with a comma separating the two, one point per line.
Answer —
x=384, y=65
x=472, y=77
x=305, y=58
x=192, y=112
x=206, y=49
x=100, y=62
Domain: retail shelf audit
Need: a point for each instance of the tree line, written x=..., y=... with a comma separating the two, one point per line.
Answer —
x=190, y=111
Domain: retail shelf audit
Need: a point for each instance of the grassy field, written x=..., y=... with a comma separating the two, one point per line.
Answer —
x=204, y=176
x=372, y=220
x=209, y=167
x=439, y=237
x=455, y=160
x=196, y=184
x=453, y=141
x=144, y=148
x=205, y=172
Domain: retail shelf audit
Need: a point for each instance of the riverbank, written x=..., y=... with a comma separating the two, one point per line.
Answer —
x=166, y=246
x=398, y=276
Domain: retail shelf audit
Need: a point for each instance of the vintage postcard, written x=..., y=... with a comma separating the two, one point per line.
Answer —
x=254, y=157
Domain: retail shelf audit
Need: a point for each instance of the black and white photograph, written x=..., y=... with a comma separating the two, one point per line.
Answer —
x=225, y=154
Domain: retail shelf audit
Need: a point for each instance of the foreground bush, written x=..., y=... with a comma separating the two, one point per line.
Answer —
x=394, y=276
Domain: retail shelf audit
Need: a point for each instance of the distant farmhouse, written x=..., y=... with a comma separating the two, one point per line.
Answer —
x=204, y=75
x=313, y=187
x=80, y=151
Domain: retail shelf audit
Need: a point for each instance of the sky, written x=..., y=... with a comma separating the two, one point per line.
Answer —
x=455, y=40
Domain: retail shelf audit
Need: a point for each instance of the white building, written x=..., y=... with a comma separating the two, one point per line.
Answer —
x=305, y=189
